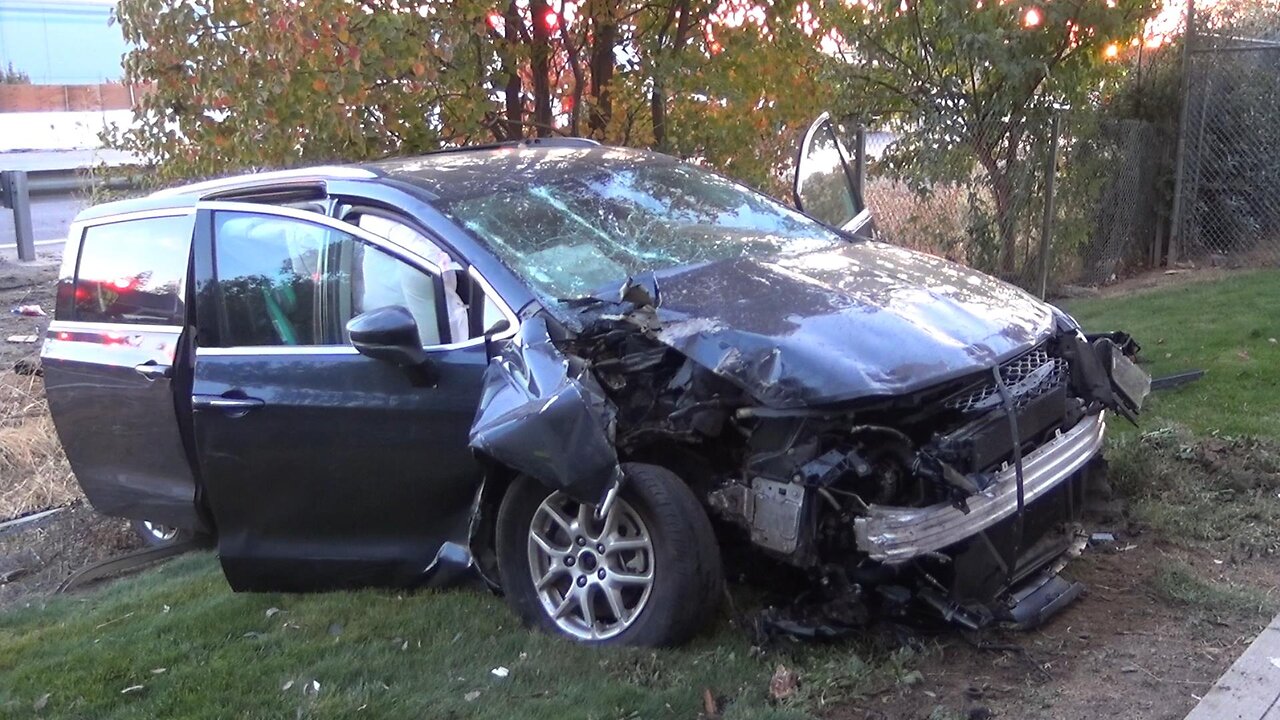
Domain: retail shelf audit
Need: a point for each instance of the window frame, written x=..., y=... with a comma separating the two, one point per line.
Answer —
x=399, y=252
x=75, y=239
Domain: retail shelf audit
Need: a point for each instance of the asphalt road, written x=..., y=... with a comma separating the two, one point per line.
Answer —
x=50, y=219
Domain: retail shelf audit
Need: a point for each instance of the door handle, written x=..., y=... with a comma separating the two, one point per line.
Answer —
x=152, y=371
x=221, y=402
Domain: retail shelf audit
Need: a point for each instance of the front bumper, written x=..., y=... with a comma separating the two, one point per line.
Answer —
x=894, y=534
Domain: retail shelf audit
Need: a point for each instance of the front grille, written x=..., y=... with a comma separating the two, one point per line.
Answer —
x=1027, y=376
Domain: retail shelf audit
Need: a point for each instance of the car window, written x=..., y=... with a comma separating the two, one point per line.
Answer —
x=404, y=235
x=284, y=281
x=133, y=271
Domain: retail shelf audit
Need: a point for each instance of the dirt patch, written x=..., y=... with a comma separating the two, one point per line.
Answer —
x=1122, y=651
x=1163, y=278
x=25, y=284
x=38, y=556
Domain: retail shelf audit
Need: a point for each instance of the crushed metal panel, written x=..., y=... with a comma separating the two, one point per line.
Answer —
x=543, y=414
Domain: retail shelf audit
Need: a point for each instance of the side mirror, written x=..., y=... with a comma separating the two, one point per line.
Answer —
x=498, y=328
x=389, y=334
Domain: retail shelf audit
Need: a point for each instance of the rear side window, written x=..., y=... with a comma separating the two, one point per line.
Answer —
x=133, y=271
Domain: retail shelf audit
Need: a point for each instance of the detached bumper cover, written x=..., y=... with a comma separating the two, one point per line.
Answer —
x=890, y=534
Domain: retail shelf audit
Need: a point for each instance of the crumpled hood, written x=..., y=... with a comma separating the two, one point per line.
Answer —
x=859, y=320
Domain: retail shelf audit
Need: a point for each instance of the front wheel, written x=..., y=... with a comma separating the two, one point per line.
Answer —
x=648, y=573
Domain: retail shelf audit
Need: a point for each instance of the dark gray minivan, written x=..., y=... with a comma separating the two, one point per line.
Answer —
x=578, y=373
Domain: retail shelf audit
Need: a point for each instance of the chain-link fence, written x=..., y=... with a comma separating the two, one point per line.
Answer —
x=982, y=196
x=1229, y=211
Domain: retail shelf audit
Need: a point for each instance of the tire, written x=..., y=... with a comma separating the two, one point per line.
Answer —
x=655, y=529
x=156, y=535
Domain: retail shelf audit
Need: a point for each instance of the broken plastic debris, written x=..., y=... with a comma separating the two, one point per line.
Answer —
x=26, y=339
x=312, y=688
x=471, y=696
x=272, y=611
x=286, y=686
x=132, y=689
x=29, y=311
x=500, y=671
x=1102, y=538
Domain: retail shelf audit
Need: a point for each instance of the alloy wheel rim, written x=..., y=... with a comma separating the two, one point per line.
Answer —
x=160, y=532
x=593, y=577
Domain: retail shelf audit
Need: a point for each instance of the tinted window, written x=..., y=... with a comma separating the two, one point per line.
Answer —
x=133, y=271
x=573, y=233
x=289, y=282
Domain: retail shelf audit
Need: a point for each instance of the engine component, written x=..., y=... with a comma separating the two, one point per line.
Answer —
x=772, y=511
x=776, y=512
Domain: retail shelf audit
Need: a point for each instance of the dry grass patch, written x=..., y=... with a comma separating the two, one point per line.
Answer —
x=34, y=473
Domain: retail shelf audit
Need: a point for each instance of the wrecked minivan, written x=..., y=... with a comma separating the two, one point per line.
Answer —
x=578, y=373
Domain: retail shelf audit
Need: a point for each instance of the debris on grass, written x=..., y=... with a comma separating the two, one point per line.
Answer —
x=710, y=708
x=471, y=696
x=500, y=672
x=783, y=684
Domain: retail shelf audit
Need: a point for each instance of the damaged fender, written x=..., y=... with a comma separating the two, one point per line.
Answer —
x=542, y=413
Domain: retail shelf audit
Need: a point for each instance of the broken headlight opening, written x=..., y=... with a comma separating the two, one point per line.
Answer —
x=961, y=501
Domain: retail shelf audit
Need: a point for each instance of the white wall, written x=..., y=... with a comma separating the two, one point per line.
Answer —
x=57, y=130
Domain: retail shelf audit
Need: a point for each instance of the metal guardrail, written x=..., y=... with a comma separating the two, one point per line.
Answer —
x=18, y=186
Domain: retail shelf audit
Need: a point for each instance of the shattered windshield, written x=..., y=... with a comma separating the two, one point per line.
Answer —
x=574, y=233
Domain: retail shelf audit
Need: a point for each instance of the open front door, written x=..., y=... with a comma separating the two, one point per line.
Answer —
x=324, y=467
x=826, y=186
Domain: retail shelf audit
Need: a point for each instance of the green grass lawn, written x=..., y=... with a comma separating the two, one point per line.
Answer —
x=1230, y=328
x=192, y=648
x=197, y=650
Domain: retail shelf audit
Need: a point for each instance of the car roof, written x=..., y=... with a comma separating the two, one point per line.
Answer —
x=430, y=172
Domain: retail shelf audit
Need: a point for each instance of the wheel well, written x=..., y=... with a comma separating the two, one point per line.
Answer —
x=690, y=466
x=679, y=459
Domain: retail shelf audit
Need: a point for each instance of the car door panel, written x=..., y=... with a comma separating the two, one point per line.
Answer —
x=346, y=464
x=108, y=362
x=328, y=468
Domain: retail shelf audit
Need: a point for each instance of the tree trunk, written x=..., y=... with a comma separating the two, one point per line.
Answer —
x=605, y=32
x=1006, y=221
x=514, y=106
x=541, y=66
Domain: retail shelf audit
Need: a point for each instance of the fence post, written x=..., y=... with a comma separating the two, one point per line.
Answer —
x=1050, y=187
x=860, y=162
x=1175, y=223
x=18, y=197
